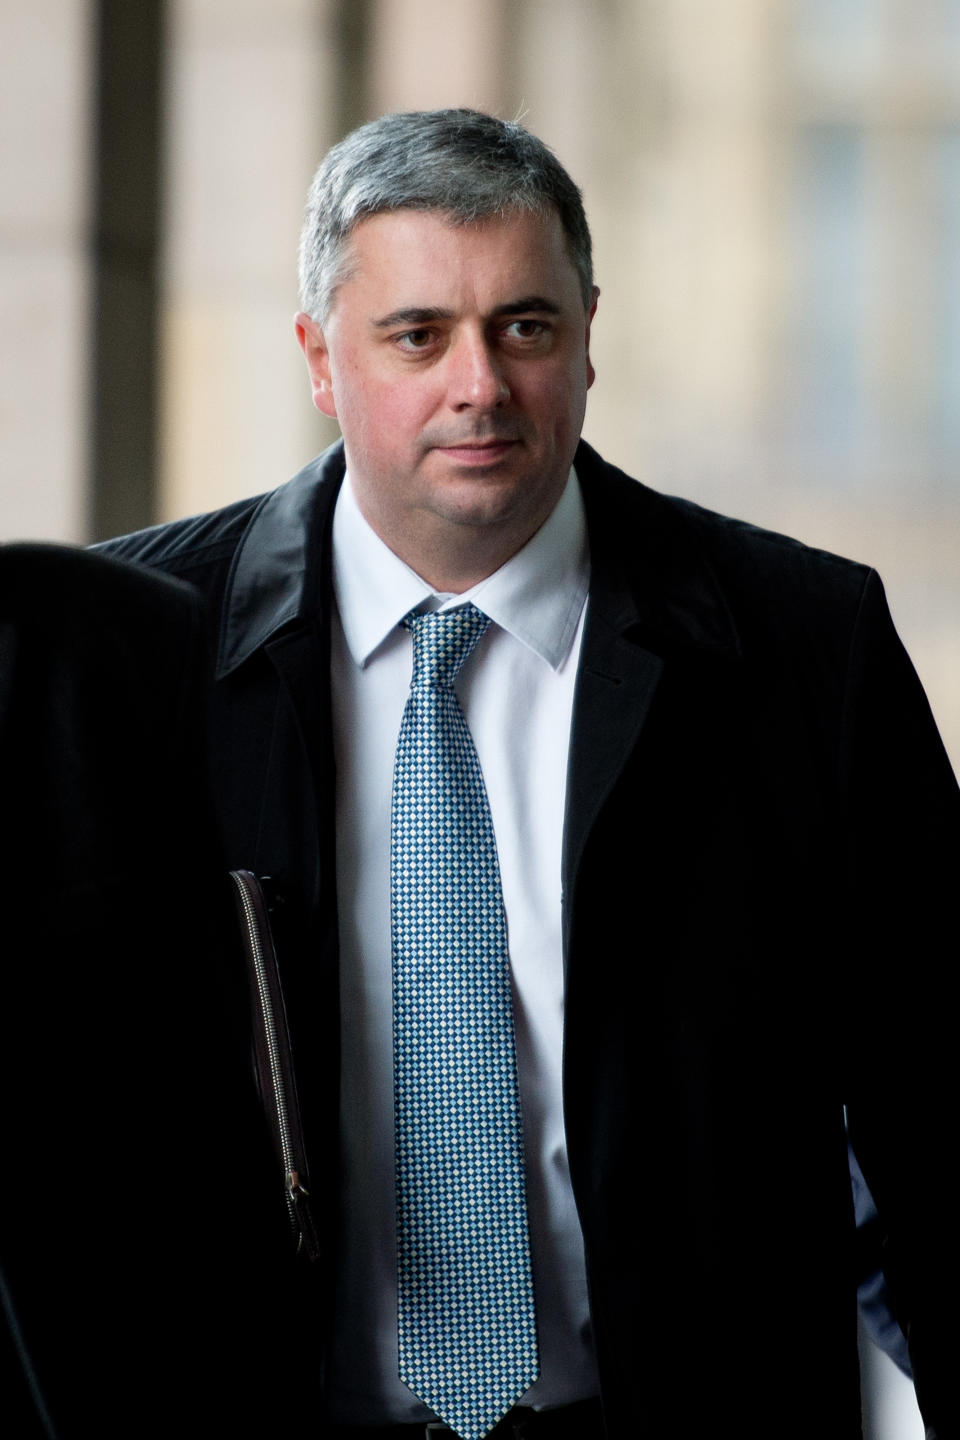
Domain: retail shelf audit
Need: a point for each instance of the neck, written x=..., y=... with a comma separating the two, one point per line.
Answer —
x=453, y=575
x=453, y=557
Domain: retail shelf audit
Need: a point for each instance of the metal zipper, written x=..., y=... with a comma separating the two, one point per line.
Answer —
x=293, y=1184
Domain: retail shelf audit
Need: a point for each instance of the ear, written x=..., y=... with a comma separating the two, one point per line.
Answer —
x=315, y=352
x=591, y=373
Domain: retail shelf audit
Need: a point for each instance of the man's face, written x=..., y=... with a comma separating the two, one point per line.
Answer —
x=455, y=359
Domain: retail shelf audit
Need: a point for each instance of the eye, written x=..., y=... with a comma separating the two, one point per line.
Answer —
x=525, y=329
x=415, y=339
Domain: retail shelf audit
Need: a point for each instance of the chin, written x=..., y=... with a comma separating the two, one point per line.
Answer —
x=479, y=500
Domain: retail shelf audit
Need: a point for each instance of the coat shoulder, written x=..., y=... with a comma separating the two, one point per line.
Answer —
x=185, y=547
x=768, y=581
x=766, y=557
x=200, y=547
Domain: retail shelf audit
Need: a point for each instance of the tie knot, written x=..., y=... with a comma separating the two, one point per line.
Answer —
x=442, y=640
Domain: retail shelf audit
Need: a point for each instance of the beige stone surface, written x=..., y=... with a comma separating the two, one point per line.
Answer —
x=44, y=271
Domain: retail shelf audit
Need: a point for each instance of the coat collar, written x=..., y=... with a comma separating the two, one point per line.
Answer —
x=651, y=582
x=275, y=577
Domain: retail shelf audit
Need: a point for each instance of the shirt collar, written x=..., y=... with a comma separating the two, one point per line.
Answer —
x=537, y=595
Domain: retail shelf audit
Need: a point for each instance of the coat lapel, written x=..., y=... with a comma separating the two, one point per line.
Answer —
x=303, y=754
x=615, y=687
x=652, y=596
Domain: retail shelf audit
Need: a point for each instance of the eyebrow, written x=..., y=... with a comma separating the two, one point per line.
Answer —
x=537, y=303
x=428, y=314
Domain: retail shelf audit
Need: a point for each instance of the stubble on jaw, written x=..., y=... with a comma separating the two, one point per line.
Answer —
x=457, y=536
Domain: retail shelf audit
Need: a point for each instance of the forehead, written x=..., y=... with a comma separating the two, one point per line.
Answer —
x=427, y=257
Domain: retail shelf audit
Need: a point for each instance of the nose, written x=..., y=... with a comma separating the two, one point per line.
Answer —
x=477, y=380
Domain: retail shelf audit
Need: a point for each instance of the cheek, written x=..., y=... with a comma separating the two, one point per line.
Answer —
x=398, y=413
x=380, y=420
x=558, y=401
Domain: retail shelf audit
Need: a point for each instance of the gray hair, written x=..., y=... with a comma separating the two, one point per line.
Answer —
x=466, y=164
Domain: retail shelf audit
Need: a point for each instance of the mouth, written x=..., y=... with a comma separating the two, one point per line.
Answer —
x=478, y=452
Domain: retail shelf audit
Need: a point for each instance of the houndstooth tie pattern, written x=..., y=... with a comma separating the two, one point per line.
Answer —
x=467, y=1328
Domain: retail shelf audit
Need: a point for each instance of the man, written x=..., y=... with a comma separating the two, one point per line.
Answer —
x=723, y=836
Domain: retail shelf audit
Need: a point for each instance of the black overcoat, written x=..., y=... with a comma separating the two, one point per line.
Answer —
x=760, y=862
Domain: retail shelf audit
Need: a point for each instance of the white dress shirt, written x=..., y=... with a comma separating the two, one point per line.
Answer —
x=516, y=690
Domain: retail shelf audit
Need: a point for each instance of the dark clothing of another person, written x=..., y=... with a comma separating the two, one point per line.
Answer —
x=132, y=1252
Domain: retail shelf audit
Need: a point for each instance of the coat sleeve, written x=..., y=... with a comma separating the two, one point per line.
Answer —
x=903, y=828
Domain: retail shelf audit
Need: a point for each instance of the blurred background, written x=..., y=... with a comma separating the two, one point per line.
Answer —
x=774, y=190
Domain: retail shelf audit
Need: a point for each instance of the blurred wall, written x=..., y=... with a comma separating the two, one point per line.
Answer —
x=251, y=89
x=46, y=165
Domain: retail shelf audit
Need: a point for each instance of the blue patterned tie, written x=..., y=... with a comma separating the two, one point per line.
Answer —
x=467, y=1328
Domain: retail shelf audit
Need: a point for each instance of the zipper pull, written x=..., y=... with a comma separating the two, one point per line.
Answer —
x=294, y=1188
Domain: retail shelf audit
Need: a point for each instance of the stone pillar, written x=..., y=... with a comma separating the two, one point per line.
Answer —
x=251, y=95
x=45, y=123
